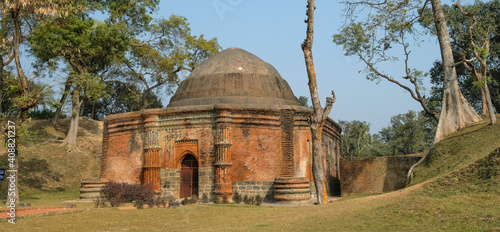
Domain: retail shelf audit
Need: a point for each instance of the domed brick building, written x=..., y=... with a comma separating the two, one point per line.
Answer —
x=233, y=125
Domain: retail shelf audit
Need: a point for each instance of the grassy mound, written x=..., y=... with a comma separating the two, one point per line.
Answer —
x=47, y=166
x=459, y=150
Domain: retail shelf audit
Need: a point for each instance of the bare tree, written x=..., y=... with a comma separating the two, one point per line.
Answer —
x=319, y=116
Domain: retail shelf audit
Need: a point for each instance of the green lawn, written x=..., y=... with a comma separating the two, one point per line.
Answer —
x=458, y=189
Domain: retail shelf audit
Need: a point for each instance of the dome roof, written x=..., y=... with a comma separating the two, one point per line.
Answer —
x=236, y=77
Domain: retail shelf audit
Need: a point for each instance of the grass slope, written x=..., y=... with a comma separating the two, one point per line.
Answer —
x=458, y=189
x=459, y=150
x=46, y=166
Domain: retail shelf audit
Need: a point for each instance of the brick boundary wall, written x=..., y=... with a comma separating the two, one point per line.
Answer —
x=367, y=175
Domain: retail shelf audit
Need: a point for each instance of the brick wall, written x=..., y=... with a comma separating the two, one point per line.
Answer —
x=374, y=174
x=259, y=138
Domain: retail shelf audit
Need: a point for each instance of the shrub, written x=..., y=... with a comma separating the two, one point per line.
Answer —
x=251, y=200
x=42, y=114
x=185, y=201
x=139, y=204
x=130, y=192
x=98, y=202
x=258, y=200
x=120, y=193
x=115, y=202
x=112, y=192
x=150, y=202
x=204, y=198
x=237, y=197
x=225, y=199
x=248, y=200
x=159, y=201
x=164, y=203
x=144, y=193
x=217, y=200
x=194, y=199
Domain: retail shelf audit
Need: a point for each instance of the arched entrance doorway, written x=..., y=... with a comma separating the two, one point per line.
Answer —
x=189, y=176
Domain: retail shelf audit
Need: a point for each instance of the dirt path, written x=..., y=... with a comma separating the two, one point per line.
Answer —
x=27, y=212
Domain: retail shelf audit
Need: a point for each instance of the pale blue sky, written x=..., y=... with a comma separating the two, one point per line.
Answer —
x=274, y=30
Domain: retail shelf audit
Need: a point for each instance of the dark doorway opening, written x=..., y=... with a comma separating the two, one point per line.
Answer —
x=189, y=176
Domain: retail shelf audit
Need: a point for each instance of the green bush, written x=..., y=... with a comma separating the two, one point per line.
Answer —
x=194, y=199
x=204, y=198
x=237, y=197
x=42, y=114
x=225, y=199
x=258, y=200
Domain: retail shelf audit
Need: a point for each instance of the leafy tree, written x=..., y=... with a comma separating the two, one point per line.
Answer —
x=8, y=91
x=456, y=112
x=379, y=147
x=120, y=98
x=356, y=138
x=88, y=48
x=157, y=62
x=20, y=17
x=320, y=114
x=487, y=17
x=479, y=34
x=408, y=133
x=303, y=101
x=6, y=56
x=465, y=83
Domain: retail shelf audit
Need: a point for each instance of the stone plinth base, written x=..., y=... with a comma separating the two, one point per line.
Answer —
x=91, y=188
x=291, y=189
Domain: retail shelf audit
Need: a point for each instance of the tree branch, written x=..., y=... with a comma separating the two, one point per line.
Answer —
x=328, y=106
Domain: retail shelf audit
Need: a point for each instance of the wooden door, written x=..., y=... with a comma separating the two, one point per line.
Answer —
x=189, y=177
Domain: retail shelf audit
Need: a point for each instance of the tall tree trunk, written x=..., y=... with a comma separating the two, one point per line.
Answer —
x=486, y=102
x=75, y=114
x=92, y=114
x=485, y=90
x=489, y=103
x=456, y=112
x=23, y=81
x=484, y=106
x=144, y=100
x=84, y=102
x=319, y=116
x=67, y=88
